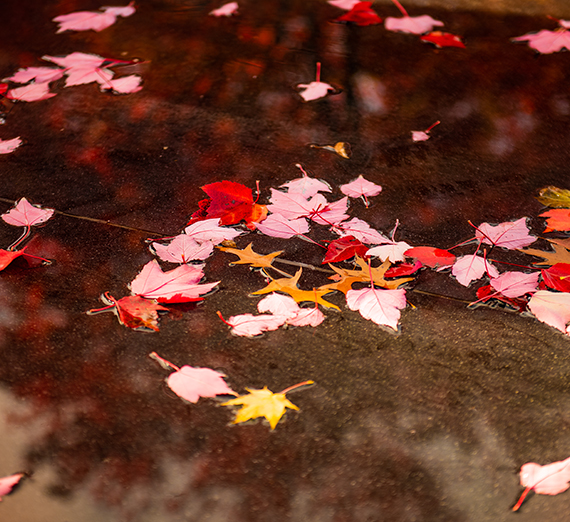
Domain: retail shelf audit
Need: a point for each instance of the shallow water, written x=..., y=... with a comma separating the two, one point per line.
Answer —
x=431, y=424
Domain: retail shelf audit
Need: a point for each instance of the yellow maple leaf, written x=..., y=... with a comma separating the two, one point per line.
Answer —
x=248, y=257
x=263, y=403
x=288, y=285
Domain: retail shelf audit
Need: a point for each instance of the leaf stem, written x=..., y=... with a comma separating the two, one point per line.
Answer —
x=400, y=7
x=318, y=75
x=163, y=362
x=295, y=386
x=521, y=500
x=432, y=126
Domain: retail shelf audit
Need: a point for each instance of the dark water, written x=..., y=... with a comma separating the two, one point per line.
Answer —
x=428, y=425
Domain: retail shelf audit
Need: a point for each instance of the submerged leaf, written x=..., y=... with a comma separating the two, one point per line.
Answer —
x=554, y=197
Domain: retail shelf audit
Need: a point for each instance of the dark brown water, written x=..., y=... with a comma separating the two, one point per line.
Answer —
x=432, y=424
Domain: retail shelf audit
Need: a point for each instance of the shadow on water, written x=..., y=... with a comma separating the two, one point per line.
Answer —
x=428, y=425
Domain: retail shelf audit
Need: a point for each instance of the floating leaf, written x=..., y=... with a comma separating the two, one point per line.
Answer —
x=554, y=197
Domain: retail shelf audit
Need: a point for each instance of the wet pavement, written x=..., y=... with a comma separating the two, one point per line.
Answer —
x=431, y=424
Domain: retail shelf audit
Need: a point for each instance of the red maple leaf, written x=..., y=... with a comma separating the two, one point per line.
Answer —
x=231, y=202
x=403, y=269
x=7, y=256
x=344, y=248
x=361, y=14
x=487, y=292
x=558, y=277
x=440, y=39
x=431, y=256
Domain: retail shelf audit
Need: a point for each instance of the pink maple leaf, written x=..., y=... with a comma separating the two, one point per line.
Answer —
x=510, y=235
x=31, y=92
x=379, y=305
x=392, y=251
x=306, y=317
x=306, y=186
x=420, y=136
x=8, y=483
x=38, y=74
x=347, y=5
x=97, y=21
x=314, y=90
x=226, y=10
x=293, y=206
x=192, y=383
x=411, y=24
x=24, y=214
x=82, y=68
x=515, y=284
x=471, y=268
x=278, y=304
x=276, y=225
x=125, y=85
x=550, y=479
x=248, y=325
x=546, y=42
x=183, y=249
x=209, y=230
x=175, y=286
x=552, y=308
x=7, y=146
x=361, y=231
x=361, y=187
x=332, y=214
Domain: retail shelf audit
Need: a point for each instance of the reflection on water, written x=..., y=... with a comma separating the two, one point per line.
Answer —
x=430, y=425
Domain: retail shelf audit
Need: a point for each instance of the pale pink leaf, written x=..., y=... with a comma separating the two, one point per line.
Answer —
x=360, y=187
x=209, y=230
x=82, y=68
x=392, y=251
x=125, y=85
x=276, y=225
x=510, y=235
x=76, y=59
x=515, y=284
x=24, y=214
x=552, y=308
x=347, y=5
x=471, y=268
x=361, y=231
x=564, y=23
x=314, y=90
x=31, y=92
x=411, y=24
x=183, y=249
x=39, y=74
x=8, y=483
x=306, y=317
x=84, y=21
x=7, y=146
x=226, y=10
x=124, y=11
x=293, y=206
x=175, y=286
x=546, y=42
x=332, y=214
x=420, y=136
x=550, y=479
x=278, y=304
x=248, y=325
x=192, y=383
x=306, y=186
x=379, y=305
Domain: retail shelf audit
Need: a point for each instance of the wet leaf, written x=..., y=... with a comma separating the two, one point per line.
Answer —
x=411, y=24
x=38, y=74
x=31, y=92
x=546, y=42
x=440, y=39
x=361, y=187
x=248, y=325
x=97, y=21
x=276, y=225
x=7, y=484
x=515, y=284
x=248, y=257
x=470, y=268
x=344, y=248
x=24, y=214
x=7, y=146
x=557, y=277
x=378, y=305
x=306, y=186
x=314, y=90
x=510, y=235
x=431, y=256
x=557, y=220
x=228, y=9
x=403, y=269
x=347, y=5
x=560, y=254
x=554, y=197
x=360, y=230
x=393, y=252
x=7, y=256
x=361, y=14
x=552, y=308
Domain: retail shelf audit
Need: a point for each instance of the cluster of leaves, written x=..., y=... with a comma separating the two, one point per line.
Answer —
x=79, y=68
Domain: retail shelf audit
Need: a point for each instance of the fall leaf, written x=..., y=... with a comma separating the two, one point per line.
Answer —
x=393, y=252
x=125, y=85
x=560, y=254
x=306, y=186
x=347, y=5
x=293, y=205
x=231, y=202
x=411, y=24
x=487, y=292
x=550, y=479
x=342, y=148
x=314, y=90
x=515, y=284
x=191, y=383
x=360, y=230
x=552, y=308
x=31, y=92
x=38, y=74
x=361, y=187
x=361, y=14
x=133, y=311
x=175, y=286
x=263, y=403
x=7, y=146
x=82, y=68
x=228, y=9
x=288, y=285
x=557, y=277
x=403, y=269
x=97, y=21
x=276, y=225
x=332, y=214
x=24, y=214
x=558, y=219
x=424, y=135
x=7, y=484
x=377, y=304
x=441, y=40
x=431, y=256
x=343, y=249
x=510, y=235
x=248, y=257
x=7, y=256
x=248, y=325
x=554, y=197
x=546, y=42
x=470, y=268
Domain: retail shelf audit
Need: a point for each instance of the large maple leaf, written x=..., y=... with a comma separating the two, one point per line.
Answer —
x=231, y=202
x=97, y=21
x=552, y=308
x=175, y=286
x=509, y=235
x=343, y=249
x=24, y=214
x=379, y=305
x=470, y=268
x=546, y=42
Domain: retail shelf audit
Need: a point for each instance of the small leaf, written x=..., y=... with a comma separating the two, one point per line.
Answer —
x=248, y=257
x=7, y=484
x=24, y=214
x=554, y=197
